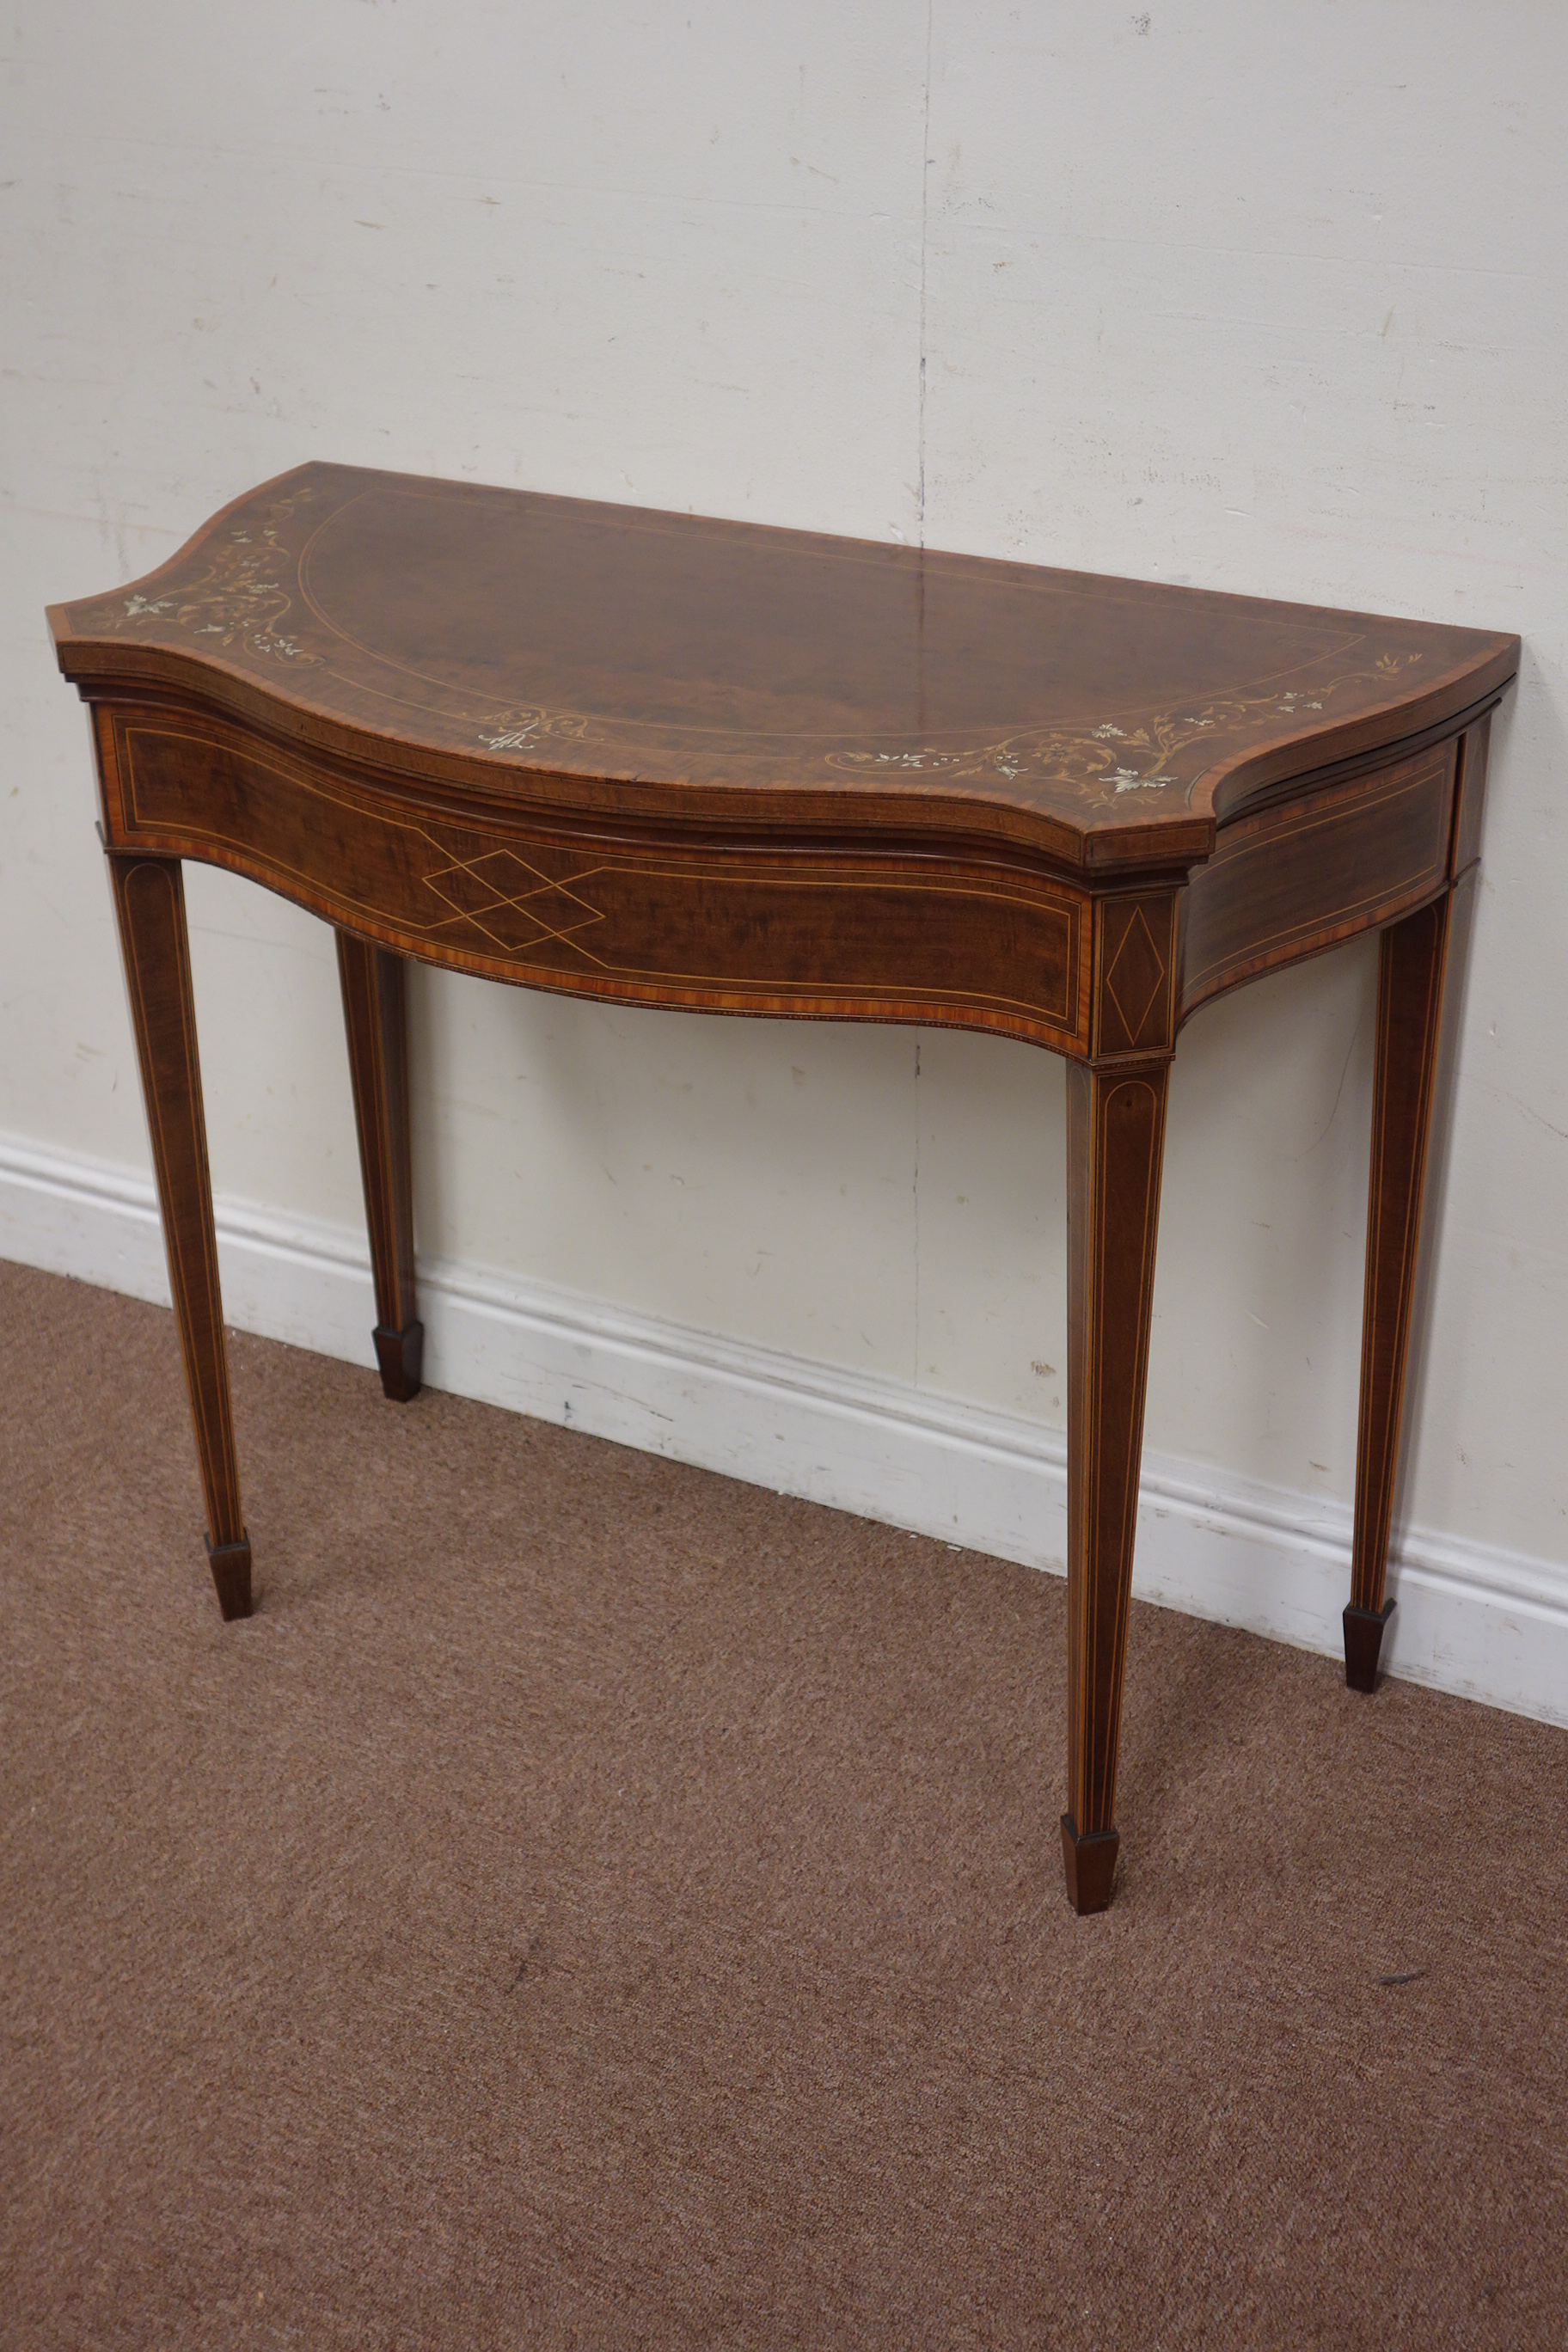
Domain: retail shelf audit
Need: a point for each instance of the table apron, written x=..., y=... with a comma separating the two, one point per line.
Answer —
x=1297, y=876
x=811, y=932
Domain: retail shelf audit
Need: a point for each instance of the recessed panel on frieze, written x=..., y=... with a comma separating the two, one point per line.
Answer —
x=809, y=932
x=1291, y=879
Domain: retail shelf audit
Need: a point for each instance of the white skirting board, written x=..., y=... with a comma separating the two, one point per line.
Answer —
x=1488, y=1624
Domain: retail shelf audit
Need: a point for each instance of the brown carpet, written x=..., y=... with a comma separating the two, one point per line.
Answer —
x=593, y=1903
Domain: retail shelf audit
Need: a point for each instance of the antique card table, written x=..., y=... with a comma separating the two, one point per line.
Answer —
x=665, y=761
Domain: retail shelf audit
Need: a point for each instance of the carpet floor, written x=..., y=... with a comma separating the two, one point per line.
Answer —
x=594, y=1903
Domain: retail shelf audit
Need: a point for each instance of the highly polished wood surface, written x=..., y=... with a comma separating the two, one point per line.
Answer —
x=375, y=1023
x=669, y=761
x=635, y=664
x=150, y=902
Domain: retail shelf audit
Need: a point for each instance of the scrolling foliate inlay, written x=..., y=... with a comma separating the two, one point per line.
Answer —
x=240, y=598
x=525, y=728
x=1098, y=765
x=1102, y=763
x=260, y=591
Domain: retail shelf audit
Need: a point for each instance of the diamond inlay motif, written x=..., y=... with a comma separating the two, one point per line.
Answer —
x=512, y=902
x=1135, y=976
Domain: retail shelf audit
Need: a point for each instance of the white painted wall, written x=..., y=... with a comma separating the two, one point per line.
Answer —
x=1268, y=299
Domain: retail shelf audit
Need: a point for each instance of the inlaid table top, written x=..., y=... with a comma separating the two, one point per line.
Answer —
x=663, y=664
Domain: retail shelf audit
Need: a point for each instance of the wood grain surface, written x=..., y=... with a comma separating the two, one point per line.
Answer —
x=812, y=930
x=1289, y=880
x=647, y=663
x=150, y=903
x=1412, y=964
x=376, y=1027
x=665, y=761
x=1116, y=1129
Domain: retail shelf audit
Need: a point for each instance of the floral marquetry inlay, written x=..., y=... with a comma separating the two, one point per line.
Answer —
x=244, y=592
x=529, y=728
x=579, y=656
x=1102, y=763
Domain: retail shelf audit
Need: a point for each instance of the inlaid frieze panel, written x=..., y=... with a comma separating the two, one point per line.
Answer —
x=810, y=933
x=1287, y=882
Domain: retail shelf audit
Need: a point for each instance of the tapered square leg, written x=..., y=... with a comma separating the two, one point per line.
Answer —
x=150, y=907
x=1410, y=997
x=1116, y=1125
x=378, y=1031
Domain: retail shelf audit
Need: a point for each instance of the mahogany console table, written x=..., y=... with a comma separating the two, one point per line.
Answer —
x=674, y=761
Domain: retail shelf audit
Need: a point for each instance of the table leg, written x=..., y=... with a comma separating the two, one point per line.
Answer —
x=1409, y=1027
x=150, y=904
x=378, y=1031
x=1116, y=1125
